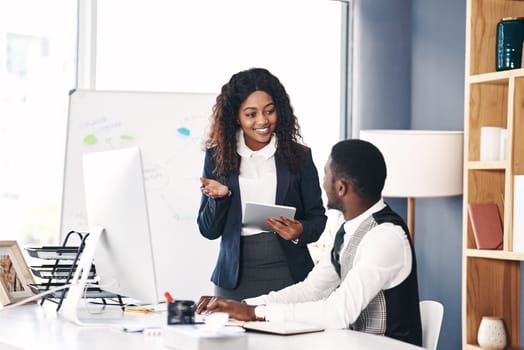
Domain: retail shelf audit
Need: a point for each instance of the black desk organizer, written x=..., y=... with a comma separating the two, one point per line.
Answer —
x=62, y=270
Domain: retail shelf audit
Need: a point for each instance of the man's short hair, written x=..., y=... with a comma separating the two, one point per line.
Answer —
x=363, y=164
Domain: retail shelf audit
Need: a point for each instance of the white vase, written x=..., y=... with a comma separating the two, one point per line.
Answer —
x=492, y=334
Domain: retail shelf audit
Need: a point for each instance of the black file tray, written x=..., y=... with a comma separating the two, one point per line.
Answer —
x=54, y=253
x=62, y=270
x=57, y=271
x=90, y=292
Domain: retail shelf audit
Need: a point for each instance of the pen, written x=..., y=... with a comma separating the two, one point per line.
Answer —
x=169, y=298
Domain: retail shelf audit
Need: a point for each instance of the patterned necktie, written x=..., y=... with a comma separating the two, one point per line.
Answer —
x=337, y=245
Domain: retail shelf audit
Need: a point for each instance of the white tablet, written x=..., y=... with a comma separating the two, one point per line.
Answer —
x=256, y=214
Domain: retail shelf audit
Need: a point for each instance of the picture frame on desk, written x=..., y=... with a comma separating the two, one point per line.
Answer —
x=15, y=275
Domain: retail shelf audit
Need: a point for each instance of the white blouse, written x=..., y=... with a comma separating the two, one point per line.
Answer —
x=258, y=176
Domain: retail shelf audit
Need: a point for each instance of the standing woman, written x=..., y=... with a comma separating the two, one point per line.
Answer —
x=253, y=154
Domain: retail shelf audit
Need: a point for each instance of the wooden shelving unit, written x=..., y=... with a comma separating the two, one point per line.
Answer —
x=491, y=278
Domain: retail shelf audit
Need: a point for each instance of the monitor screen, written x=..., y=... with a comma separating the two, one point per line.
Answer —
x=116, y=202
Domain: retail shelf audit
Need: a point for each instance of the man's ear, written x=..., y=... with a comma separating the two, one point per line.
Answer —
x=342, y=187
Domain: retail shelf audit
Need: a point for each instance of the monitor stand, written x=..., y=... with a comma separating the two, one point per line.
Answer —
x=69, y=309
x=70, y=306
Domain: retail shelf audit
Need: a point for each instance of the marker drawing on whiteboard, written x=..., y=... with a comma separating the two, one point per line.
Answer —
x=184, y=131
x=127, y=137
x=90, y=139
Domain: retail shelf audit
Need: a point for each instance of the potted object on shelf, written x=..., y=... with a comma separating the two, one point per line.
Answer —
x=492, y=334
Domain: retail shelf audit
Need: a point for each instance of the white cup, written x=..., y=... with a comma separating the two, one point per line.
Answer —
x=490, y=142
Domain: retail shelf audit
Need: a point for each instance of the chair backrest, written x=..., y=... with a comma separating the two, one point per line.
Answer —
x=431, y=313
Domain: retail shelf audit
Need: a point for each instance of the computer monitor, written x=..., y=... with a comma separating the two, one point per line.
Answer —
x=119, y=238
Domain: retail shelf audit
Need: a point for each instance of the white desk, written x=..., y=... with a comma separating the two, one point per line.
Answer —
x=34, y=327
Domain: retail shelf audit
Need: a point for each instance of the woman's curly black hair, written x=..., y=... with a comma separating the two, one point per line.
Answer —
x=224, y=126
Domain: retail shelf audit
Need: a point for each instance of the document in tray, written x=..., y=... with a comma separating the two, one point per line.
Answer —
x=282, y=328
x=255, y=214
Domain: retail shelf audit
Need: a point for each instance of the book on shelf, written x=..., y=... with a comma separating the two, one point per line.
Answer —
x=518, y=214
x=486, y=224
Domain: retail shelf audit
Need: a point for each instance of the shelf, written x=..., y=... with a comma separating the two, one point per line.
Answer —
x=472, y=347
x=491, y=278
x=476, y=347
x=485, y=165
x=501, y=77
x=494, y=254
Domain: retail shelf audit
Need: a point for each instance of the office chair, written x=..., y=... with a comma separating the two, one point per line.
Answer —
x=431, y=313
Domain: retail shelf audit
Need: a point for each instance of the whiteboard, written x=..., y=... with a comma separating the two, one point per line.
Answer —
x=169, y=128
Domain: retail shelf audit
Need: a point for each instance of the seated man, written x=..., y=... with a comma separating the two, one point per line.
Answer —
x=369, y=281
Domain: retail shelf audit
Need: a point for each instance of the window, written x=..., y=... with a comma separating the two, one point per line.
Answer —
x=37, y=70
x=195, y=46
x=154, y=45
